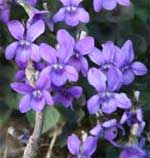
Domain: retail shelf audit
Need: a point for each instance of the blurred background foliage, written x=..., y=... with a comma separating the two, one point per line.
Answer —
x=118, y=25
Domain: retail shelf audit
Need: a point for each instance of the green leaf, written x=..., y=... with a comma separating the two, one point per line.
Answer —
x=141, y=13
x=31, y=118
x=51, y=118
x=12, y=99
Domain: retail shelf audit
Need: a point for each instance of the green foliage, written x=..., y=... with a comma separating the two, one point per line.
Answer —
x=51, y=118
x=111, y=152
x=4, y=114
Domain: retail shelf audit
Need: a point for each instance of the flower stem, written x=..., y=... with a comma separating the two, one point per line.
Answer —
x=49, y=154
x=33, y=143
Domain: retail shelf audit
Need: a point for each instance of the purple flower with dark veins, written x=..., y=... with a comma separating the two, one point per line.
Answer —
x=110, y=129
x=34, y=97
x=106, y=58
x=59, y=70
x=24, y=49
x=109, y=4
x=72, y=13
x=134, y=118
x=82, y=48
x=66, y=96
x=84, y=148
x=107, y=130
x=4, y=11
x=106, y=99
x=132, y=151
x=125, y=61
x=35, y=15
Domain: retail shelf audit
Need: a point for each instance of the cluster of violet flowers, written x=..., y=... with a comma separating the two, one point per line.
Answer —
x=57, y=70
x=115, y=67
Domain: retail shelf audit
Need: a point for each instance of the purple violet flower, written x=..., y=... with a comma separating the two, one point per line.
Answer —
x=134, y=117
x=106, y=59
x=110, y=129
x=132, y=151
x=107, y=130
x=100, y=129
x=4, y=11
x=59, y=70
x=72, y=13
x=36, y=15
x=106, y=99
x=83, y=148
x=34, y=97
x=82, y=48
x=24, y=49
x=65, y=96
x=124, y=60
x=109, y=4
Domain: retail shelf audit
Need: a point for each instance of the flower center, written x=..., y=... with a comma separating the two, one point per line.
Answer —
x=125, y=68
x=58, y=66
x=24, y=43
x=37, y=94
x=77, y=55
x=106, y=94
x=71, y=8
x=66, y=94
x=106, y=66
